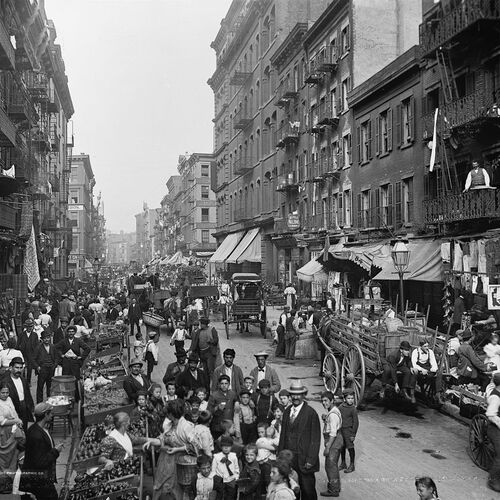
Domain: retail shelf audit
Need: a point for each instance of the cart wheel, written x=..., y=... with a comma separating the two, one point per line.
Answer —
x=353, y=372
x=480, y=450
x=331, y=372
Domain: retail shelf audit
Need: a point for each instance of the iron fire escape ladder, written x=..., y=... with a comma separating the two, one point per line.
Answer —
x=448, y=82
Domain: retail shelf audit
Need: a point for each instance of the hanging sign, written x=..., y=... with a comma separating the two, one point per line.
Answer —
x=293, y=222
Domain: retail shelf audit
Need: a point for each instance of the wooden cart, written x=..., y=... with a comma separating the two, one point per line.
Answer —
x=246, y=305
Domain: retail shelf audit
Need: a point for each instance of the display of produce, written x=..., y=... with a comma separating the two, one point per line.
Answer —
x=105, y=398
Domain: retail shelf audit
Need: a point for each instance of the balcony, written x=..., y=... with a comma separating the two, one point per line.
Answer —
x=285, y=93
x=472, y=205
x=313, y=76
x=41, y=140
x=7, y=216
x=243, y=164
x=54, y=182
x=323, y=167
x=7, y=130
x=458, y=23
x=477, y=108
x=40, y=185
x=242, y=119
x=287, y=134
x=327, y=60
x=323, y=116
x=287, y=183
x=281, y=226
x=20, y=107
x=319, y=222
x=7, y=54
x=38, y=86
x=239, y=78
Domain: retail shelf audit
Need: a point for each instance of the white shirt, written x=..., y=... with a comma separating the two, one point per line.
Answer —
x=294, y=411
x=261, y=374
x=228, y=372
x=419, y=355
x=19, y=387
x=333, y=422
x=220, y=469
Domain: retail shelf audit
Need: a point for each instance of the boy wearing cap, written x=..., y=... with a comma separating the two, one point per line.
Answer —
x=350, y=424
x=179, y=336
x=226, y=470
x=397, y=363
x=264, y=402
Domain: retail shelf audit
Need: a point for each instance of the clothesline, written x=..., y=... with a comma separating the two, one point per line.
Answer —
x=474, y=273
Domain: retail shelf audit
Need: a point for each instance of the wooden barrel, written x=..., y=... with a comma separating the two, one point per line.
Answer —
x=186, y=469
x=63, y=385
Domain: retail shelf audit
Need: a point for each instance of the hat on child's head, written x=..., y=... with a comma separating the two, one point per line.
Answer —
x=264, y=383
x=226, y=441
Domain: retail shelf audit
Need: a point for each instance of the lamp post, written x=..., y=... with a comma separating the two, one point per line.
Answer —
x=401, y=257
x=96, y=269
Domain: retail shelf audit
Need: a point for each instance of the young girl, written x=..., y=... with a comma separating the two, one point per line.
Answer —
x=95, y=380
x=171, y=395
x=279, y=488
x=249, y=484
x=155, y=409
x=426, y=488
x=202, y=437
x=179, y=336
x=266, y=446
x=202, y=486
x=141, y=409
x=492, y=351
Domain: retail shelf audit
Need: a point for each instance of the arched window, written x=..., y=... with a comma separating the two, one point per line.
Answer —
x=257, y=94
x=258, y=195
x=266, y=85
x=266, y=137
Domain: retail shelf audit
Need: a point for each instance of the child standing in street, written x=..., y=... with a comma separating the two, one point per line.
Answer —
x=350, y=424
x=179, y=336
x=151, y=353
x=249, y=484
x=244, y=419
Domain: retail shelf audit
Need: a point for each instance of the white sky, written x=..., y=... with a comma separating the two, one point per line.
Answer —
x=137, y=74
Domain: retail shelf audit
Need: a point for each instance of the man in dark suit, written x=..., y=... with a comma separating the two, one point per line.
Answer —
x=231, y=370
x=39, y=468
x=398, y=364
x=301, y=434
x=205, y=343
x=136, y=382
x=19, y=391
x=193, y=378
x=27, y=343
x=174, y=369
x=72, y=353
x=134, y=315
x=46, y=360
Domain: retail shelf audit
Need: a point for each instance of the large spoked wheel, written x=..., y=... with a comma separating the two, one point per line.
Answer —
x=353, y=372
x=331, y=372
x=480, y=450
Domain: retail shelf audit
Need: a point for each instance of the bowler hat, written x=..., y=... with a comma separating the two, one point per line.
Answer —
x=46, y=334
x=405, y=345
x=296, y=387
x=180, y=353
x=29, y=322
x=16, y=361
x=204, y=321
x=193, y=357
x=135, y=361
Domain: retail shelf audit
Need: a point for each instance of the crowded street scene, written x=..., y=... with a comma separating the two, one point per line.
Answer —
x=274, y=271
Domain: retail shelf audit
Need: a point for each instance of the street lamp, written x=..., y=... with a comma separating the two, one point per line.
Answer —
x=401, y=257
x=96, y=268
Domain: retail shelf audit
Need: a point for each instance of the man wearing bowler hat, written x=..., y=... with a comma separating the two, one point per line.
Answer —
x=27, y=343
x=136, y=381
x=301, y=434
x=263, y=371
x=398, y=364
x=46, y=360
x=192, y=378
x=228, y=368
x=175, y=368
x=206, y=344
x=19, y=391
x=72, y=352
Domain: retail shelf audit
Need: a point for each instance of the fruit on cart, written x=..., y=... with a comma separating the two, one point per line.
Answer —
x=138, y=428
x=104, y=398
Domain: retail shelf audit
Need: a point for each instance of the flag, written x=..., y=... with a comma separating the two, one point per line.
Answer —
x=434, y=134
x=31, y=261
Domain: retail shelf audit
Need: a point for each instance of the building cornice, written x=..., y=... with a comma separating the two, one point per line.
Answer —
x=324, y=21
x=290, y=46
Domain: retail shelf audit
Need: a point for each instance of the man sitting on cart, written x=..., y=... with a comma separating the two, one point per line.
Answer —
x=423, y=361
x=397, y=366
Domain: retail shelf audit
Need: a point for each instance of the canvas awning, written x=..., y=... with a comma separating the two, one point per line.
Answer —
x=164, y=260
x=425, y=263
x=247, y=250
x=176, y=259
x=226, y=247
x=310, y=270
x=365, y=256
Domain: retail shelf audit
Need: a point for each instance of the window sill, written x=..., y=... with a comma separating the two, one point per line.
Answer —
x=383, y=155
x=364, y=162
x=406, y=145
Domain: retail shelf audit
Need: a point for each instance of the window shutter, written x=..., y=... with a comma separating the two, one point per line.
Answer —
x=389, y=205
x=348, y=36
x=389, y=129
x=340, y=210
x=374, y=222
x=360, y=212
x=411, y=118
x=377, y=135
x=340, y=154
x=398, y=125
x=349, y=145
x=358, y=143
x=398, y=215
x=370, y=145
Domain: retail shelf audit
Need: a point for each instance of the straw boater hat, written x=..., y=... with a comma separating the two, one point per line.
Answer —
x=296, y=387
x=261, y=354
x=135, y=361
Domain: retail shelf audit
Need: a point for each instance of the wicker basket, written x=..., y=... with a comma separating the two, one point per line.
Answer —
x=152, y=320
x=186, y=469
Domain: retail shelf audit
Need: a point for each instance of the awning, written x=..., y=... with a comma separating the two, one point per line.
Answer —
x=307, y=272
x=240, y=253
x=253, y=253
x=365, y=256
x=226, y=247
x=164, y=260
x=176, y=259
x=425, y=263
x=204, y=254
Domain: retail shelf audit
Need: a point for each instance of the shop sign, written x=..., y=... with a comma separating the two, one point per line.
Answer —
x=293, y=222
x=76, y=207
x=494, y=297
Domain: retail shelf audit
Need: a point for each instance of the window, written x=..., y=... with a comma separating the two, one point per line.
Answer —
x=205, y=235
x=205, y=192
x=365, y=141
x=74, y=197
x=334, y=222
x=347, y=208
x=324, y=211
x=408, y=200
x=386, y=205
x=364, y=209
x=346, y=150
x=205, y=170
x=384, y=132
x=345, y=39
x=406, y=122
x=205, y=215
x=74, y=243
x=346, y=87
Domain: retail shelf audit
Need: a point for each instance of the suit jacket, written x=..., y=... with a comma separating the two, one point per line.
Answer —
x=308, y=428
x=28, y=345
x=271, y=375
x=28, y=400
x=135, y=312
x=172, y=371
x=132, y=386
x=72, y=366
x=189, y=383
x=237, y=380
x=40, y=457
x=46, y=359
x=392, y=361
x=214, y=343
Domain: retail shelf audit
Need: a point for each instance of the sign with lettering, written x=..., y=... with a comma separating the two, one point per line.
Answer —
x=293, y=222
